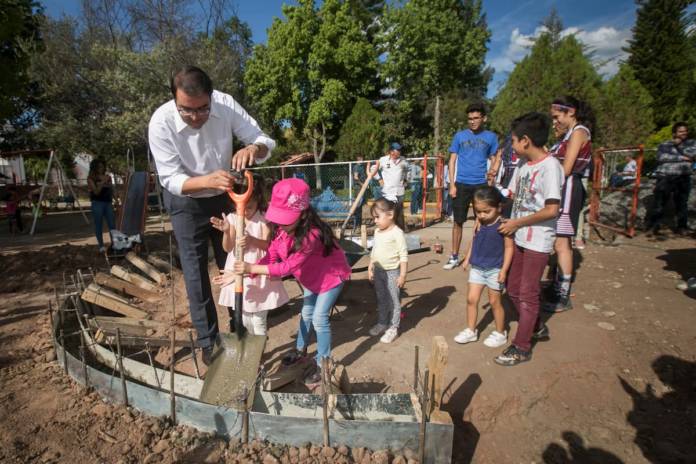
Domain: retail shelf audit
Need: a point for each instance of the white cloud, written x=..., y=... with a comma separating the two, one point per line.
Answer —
x=605, y=43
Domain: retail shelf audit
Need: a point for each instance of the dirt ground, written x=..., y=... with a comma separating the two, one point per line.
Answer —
x=616, y=383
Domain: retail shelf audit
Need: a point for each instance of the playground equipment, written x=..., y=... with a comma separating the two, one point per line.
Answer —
x=53, y=162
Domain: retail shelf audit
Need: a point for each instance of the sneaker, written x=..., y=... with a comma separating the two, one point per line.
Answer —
x=496, y=339
x=542, y=333
x=467, y=335
x=579, y=244
x=563, y=304
x=102, y=249
x=292, y=357
x=688, y=285
x=513, y=356
x=390, y=335
x=378, y=329
x=451, y=263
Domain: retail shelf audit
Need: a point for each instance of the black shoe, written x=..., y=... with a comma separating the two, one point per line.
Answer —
x=542, y=333
x=207, y=355
x=292, y=357
x=562, y=304
x=513, y=356
x=683, y=231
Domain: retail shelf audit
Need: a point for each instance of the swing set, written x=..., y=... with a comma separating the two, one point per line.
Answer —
x=53, y=163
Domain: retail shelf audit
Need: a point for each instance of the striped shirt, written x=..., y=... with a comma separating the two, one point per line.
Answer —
x=582, y=162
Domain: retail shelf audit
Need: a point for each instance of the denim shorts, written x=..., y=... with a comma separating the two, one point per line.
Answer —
x=487, y=277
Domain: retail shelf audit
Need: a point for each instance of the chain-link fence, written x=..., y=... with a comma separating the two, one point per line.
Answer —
x=334, y=187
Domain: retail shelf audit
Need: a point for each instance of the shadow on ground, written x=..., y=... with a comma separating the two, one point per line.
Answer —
x=665, y=421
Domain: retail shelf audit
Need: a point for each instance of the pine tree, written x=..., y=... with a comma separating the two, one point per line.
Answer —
x=660, y=54
x=549, y=71
x=362, y=133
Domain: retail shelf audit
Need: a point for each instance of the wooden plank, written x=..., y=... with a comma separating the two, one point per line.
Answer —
x=135, y=279
x=94, y=294
x=134, y=340
x=128, y=325
x=159, y=263
x=437, y=363
x=108, y=293
x=126, y=287
x=147, y=268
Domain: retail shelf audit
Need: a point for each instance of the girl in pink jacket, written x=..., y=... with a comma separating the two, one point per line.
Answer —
x=303, y=245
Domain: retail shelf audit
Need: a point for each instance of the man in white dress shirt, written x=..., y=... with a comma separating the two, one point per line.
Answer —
x=191, y=141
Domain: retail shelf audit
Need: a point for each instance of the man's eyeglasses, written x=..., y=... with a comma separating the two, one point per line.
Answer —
x=188, y=112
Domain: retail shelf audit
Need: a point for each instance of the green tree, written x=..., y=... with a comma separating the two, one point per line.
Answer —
x=316, y=63
x=362, y=133
x=433, y=46
x=19, y=38
x=625, y=110
x=661, y=55
x=551, y=69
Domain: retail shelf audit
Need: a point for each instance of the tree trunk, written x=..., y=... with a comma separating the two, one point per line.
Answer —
x=318, y=154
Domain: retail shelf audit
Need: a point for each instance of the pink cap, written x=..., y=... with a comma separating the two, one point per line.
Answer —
x=289, y=198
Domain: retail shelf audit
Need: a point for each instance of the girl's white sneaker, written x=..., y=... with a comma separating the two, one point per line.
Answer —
x=496, y=339
x=390, y=335
x=467, y=335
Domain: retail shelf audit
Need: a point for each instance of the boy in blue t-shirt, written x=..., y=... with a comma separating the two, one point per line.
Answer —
x=470, y=151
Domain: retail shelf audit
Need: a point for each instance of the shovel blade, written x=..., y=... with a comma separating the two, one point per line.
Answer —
x=232, y=374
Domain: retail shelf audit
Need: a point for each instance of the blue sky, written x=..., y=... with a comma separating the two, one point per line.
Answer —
x=603, y=25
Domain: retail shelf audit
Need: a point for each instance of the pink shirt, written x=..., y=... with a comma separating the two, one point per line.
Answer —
x=313, y=270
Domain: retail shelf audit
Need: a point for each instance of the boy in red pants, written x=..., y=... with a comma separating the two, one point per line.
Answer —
x=536, y=189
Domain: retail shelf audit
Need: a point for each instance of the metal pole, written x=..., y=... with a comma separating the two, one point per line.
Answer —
x=636, y=189
x=193, y=354
x=350, y=182
x=72, y=192
x=65, y=352
x=172, y=395
x=82, y=358
x=415, y=370
x=120, y=367
x=325, y=397
x=245, y=416
x=425, y=188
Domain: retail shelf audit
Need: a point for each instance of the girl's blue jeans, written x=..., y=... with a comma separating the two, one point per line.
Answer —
x=315, y=313
x=102, y=210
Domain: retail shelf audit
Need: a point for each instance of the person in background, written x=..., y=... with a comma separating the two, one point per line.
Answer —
x=673, y=179
x=191, y=139
x=626, y=175
x=392, y=171
x=101, y=199
x=470, y=152
x=415, y=180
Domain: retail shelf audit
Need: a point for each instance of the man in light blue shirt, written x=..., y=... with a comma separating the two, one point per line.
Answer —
x=470, y=152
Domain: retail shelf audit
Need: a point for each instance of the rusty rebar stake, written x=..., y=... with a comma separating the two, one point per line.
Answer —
x=193, y=354
x=415, y=369
x=82, y=358
x=172, y=395
x=325, y=398
x=245, y=415
x=120, y=367
x=65, y=352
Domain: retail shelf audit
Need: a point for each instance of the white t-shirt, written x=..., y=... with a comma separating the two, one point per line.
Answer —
x=393, y=173
x=181, y=152
x=532, y=185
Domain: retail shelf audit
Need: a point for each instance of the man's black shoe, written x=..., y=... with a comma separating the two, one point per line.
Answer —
x=207, y=355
